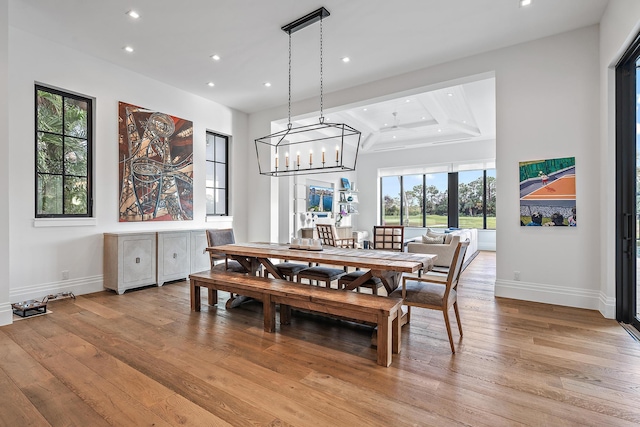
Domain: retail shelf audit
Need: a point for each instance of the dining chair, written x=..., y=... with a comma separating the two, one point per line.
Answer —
x=329, y=236
x=321, y=274
x=218, y=237
x=374, y=283
x=435, y=292
x=388, y=237
x=289, y=270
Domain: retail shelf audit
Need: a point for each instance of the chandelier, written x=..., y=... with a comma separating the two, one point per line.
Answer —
x=310, y=149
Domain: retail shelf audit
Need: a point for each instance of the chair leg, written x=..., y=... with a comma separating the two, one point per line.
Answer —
x=408, y=316
x=446, y=322
x=455, y=309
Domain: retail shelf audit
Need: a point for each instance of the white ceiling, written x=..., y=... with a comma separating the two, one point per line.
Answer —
x=173, y=42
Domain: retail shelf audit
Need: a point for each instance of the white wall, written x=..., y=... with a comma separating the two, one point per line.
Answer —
x=618, y=27
x=38, y=255
x=5, y=303
x=547, y=107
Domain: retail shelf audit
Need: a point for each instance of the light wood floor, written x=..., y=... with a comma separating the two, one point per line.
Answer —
x=143, y=358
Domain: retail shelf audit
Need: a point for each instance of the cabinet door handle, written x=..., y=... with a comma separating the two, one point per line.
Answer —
x=137, y=260
x=175, y=255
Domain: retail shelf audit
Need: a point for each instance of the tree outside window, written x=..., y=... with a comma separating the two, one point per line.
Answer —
x=436, y=200
x=390, y=189
x=63, y=154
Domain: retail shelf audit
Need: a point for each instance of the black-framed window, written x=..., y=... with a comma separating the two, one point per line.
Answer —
x=63, y=161
x=465, y=199
x=217, y=179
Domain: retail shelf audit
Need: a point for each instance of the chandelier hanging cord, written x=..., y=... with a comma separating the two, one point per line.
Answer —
x=321, y=77
x=289, y=125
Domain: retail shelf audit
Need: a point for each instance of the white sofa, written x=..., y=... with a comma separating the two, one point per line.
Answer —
x=445, y=251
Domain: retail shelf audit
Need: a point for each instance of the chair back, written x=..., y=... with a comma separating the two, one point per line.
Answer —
x=388, y=237
x=456, y=265
x=217, y=237
x=327, y=233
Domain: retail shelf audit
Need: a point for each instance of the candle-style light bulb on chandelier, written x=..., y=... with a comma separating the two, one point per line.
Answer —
x=291, y=151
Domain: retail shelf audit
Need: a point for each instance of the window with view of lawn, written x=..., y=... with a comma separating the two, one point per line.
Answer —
x=423, y=200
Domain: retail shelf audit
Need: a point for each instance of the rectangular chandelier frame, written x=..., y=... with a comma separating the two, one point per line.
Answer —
x=291, y=151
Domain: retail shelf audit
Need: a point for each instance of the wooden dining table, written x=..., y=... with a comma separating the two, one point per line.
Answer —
x=388, y=266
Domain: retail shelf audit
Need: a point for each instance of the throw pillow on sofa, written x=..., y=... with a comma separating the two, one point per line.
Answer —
x=431, y=233
x=432, y=240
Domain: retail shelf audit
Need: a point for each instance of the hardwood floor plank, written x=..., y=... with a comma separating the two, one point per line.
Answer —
x=52, y=398
x=15, y=408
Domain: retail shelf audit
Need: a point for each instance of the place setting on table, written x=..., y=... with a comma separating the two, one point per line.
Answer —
x=306, y=244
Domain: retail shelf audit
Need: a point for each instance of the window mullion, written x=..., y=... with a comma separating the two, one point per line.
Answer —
x=484, y=199
x=63, y=166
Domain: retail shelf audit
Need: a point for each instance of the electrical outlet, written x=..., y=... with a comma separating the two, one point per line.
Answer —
x=516, y=275
x=65, y=274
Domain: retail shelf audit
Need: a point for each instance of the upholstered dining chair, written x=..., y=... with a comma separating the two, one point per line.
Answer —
x=329, y=236
x=321, y=274
x=435, y=292
x=388, y=237
x=289, y=270
x=218, y=237
x=374, y=283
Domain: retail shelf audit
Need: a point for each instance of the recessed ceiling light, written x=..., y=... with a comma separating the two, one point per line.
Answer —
x=215, y=57
x=128, y=49
x=449, y=94
x=267, y=84
x=439, y=130
x=424, y=118
x=346, y=59
x=211, y=84
x=408, y=100
x=133, y=14
x=394, y=137
x=385, y=124
x=364, y=109
x=524, y=3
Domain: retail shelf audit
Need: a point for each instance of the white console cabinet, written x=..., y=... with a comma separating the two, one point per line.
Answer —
x=174, y=255
x=133, y=260
x=129, y=260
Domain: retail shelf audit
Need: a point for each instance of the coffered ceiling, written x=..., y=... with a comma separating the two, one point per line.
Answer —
x=458, y=113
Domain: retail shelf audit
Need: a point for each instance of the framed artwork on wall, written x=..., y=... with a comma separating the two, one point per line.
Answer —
x=319, y=199
x=155, y=159
x=548, y=192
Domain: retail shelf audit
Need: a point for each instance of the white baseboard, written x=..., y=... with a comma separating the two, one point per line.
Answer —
x=557, y=295
x=607, y=306
x=6, y=314
x=83, y=285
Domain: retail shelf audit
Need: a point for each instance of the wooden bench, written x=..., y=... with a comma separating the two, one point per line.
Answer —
x=382, y=311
